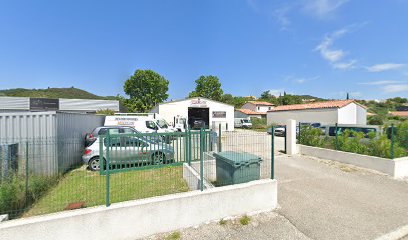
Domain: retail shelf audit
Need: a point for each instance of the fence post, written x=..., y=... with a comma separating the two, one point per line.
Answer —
x=187, y=147
x=392, y=141
x=201, y=160
x=286, y=133
x=26, y=175
x=299, y=134
x=273, y=153
x=190, y=147
x=219, y=138
x=107, y=169
x=336, y=140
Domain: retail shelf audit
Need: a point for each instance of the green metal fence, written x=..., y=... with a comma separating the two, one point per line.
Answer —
x=131, y=166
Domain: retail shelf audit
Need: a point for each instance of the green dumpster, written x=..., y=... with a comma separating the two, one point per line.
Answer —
x=236, y=167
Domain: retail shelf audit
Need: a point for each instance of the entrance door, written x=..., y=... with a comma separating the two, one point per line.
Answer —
x=198, y=117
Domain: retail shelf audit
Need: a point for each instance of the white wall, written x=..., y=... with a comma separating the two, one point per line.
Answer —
x=171, y=109
x=348, y=114
x=361, y=115
x=142, y=218
x=324, y=116
x=254, y=107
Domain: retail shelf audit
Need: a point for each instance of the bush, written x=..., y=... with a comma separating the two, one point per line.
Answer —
x=311, y=136
x=402, y=134
x=376, y=120
x=13, y=195
x=259, y=123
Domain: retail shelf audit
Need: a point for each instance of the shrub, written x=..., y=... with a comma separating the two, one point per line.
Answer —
x=13, y=195
x=311, y=136
x=244, y=220
x=376, y=120
x=259, y=123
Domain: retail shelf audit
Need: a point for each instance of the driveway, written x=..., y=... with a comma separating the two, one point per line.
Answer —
x=321, y=199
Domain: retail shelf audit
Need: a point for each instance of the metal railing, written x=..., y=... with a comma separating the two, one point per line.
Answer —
x=131, y=166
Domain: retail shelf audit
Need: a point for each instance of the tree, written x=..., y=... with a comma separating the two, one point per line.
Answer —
x=145, y=88
x=208, y=87
x=266, y=95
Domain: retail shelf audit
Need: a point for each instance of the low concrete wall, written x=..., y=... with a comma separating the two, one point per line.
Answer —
x=141, y=218
x=192, y=177
x=397, y=168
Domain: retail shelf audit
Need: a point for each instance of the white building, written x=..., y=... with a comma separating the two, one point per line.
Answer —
x=330, y=112
x=254, y=109
x=24, y=104
x=210, y=111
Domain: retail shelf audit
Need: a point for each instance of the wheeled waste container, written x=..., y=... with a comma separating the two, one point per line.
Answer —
x=236, y=167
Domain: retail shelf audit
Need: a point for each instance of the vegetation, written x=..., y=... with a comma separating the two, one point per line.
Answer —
x=259, y=123
x=106, y=112
x=174, y=236
x=356, y=142
x=51, y=93
x=14, y=196
x=146, y=88
x=208, y=87
x=222, y=222
x=244, y=220
x=82, y=185
x=381, y=110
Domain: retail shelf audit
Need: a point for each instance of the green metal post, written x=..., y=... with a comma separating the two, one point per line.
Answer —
x=273, y=154
x=337, y=139
x=299, y=134
x=107, y=169
x=26, y=175
x=201, y=160
x=190, y=147
x=392, y=141
x=187, y=147
x=286, y=134
x=219, y=138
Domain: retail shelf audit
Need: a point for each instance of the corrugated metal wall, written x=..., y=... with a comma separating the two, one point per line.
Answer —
x=71, y=130
x=53, y=142
x=15, y=103
x=87, y=105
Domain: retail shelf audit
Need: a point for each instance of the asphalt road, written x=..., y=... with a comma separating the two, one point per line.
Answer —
x=321, y=199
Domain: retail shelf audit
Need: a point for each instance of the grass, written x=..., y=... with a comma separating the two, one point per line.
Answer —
x=174, y=236
x=244, y=220
x=222, y=222
x=90, y=187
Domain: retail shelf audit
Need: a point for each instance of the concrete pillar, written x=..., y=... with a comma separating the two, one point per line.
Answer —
x=291, y=137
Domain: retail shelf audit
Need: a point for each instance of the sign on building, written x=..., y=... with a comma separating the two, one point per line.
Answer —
x=44, y=104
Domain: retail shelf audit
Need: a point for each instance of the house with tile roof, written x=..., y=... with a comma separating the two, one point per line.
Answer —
x=256, y=109
x=329, y=112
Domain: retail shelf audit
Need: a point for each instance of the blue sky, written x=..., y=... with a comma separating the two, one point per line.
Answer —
x=318, y=47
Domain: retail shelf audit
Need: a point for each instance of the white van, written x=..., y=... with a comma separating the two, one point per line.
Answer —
x=142, y=123
x=242, y=123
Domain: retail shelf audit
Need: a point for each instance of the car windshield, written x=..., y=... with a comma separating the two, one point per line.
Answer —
x=162, y=123
x=246, y=121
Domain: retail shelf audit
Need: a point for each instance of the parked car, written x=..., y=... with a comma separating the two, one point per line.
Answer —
x=128, y=150
x=279, y=131
x=197, y=123
x=330, y=130
x=93, y=136
x=242, y=123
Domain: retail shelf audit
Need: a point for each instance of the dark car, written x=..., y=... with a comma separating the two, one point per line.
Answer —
x=197, y=123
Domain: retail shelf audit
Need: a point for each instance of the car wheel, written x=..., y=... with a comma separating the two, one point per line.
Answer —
x=158, y=158
x=94, y=164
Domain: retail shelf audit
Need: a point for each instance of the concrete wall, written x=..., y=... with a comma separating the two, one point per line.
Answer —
x=347, y=114
x=324, y=116
x=397, y=168
x=141, y=218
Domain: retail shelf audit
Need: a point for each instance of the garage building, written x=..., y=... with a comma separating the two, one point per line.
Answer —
x=211, y=112
x=330, y=112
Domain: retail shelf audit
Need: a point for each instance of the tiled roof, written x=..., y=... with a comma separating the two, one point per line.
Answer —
x=261, y=103
x=250, y=112
x=316, y=105
x=400, y=113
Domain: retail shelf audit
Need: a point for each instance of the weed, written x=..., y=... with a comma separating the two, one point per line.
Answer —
x=244, y=220
x=174, y=236
x=222, y=222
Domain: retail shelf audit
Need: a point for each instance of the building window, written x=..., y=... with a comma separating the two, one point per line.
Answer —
x=259, y=108
x=269, y=108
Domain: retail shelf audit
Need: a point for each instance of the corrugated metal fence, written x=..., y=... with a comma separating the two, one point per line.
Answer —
x=48, y=142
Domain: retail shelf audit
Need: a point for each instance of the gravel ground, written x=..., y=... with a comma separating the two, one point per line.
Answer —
x=268, y=225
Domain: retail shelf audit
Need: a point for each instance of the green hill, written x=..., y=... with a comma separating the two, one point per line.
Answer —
x=50, y=93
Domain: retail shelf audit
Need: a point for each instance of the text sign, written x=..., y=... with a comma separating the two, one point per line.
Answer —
x=44, y=104
x=219, y=114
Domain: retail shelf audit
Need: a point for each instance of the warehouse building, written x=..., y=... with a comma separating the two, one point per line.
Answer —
x=211, y=112
x=24, y=104
x=330, y=112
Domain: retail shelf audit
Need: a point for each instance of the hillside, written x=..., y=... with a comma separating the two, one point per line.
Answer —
x=50, y=93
